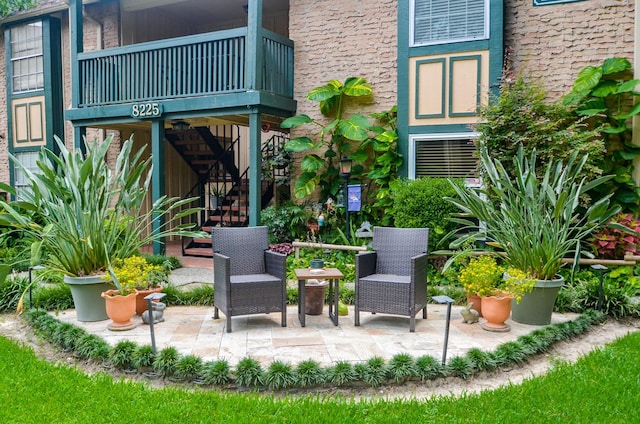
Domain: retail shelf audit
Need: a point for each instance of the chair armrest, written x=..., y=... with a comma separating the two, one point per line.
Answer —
x=365, y=264
x=221, y=269
x=275, y=264
x=419, y=265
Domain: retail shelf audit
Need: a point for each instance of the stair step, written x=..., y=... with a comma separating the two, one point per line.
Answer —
x=202, y=240
x=205, y=252
x=227, y=218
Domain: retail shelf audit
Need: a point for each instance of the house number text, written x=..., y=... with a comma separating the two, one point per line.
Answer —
x=146, y=110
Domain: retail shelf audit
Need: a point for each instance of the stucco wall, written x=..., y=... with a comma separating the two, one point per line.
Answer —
x=343, y=38
x=555, y=42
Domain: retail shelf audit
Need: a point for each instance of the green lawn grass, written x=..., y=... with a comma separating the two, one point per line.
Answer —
x=603, y=387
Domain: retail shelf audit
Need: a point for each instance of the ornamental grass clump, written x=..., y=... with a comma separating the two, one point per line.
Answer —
x=536, y=220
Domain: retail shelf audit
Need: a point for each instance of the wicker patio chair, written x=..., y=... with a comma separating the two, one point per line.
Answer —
x=392, y=279
x=248, y=278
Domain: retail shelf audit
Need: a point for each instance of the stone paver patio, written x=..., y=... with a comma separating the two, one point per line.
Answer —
x=192, y=330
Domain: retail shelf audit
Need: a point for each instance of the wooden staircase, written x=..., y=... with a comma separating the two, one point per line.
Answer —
x=213, y=157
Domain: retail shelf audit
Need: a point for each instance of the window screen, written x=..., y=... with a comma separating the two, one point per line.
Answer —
x=446, y=158
x=442, y=21
x=26, y=57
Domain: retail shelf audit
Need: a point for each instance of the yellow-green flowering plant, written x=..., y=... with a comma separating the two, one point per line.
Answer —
x=517, y=283
x=134, y=273
x=482, y=276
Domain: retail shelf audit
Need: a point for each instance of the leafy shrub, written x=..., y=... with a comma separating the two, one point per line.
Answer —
x=521, y=115
x=216, y=372
x=279, y=375
x=166, y=360
x=613, y=242
x=286, y=222
x=10, y=291
x=189, y=367
x=419, y=204
x=249, y=373
x=310, y=373
x=122, y=354
x=143, y=357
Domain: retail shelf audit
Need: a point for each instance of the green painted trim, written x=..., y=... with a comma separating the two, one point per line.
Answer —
x=403, y=85
x=449, y=48
x=76, y=47
x=79, y=134
x=255, y=161
x=453, y=59
x=254, y=51
x=496, y=45
x=52, y=61
x=417, y=84
x=218, y=105
x=158, y=188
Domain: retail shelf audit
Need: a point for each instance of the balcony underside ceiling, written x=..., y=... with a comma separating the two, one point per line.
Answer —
x=242, y=120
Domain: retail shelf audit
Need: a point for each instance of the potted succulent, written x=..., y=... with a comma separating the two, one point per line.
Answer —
x=534, y=221
x=83, y=215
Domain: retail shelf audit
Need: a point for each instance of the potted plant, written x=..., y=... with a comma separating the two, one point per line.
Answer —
x=83, y=215
x=534, y=220
x=479, y=278
x=120, y=302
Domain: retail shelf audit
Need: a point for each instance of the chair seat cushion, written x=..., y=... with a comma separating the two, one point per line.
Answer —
x=253, y=278
x=386, y=278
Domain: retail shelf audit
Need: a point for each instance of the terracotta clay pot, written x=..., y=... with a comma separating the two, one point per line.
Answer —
x=141, y=304
x=496, y=310
x=477, y=303
x=120, y=309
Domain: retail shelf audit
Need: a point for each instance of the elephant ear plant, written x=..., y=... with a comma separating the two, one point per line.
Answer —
x=537, y=221
x=82, y=215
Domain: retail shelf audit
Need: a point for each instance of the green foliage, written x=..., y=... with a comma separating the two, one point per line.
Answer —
x=428, y=368
x=286, y=222
x=460, y=366
x=606, y=95
x=534, y=219
x=49, y=391
x=169, y=263
x=8, y=7
x=521, y=116
x=166, y=360
x=188, y=367
x=402, y=367
x=216, y=372
x=279, y=375
x=90, y=346
x=11, y=289
x=143, y=357
x=197, y=296
x=582, y=293
x=341, y=374
x=309, y=373
x=88, y=215
x=374, y=372
x=122, y=354
x=373, y=148
x=249, y=373
x=420, y=204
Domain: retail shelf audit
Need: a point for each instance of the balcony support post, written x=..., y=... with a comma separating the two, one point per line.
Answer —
x=254, y=56
x=255, y=173
x=157, y=177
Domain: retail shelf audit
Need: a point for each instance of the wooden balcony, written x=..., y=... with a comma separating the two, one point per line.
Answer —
x=191, y=67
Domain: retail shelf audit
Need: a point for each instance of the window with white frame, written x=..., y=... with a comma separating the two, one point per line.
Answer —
x=26, y=57
x=29, y=161
x=444, y=156
x=446, y=21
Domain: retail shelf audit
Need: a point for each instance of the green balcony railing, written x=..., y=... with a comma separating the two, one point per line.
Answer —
x=198, y=65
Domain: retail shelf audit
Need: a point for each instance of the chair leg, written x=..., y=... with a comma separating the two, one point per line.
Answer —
x=424, y=312
x=412, y=324
x=228, y=324
x=356, y=316
x=284, y=317
x=216, y=315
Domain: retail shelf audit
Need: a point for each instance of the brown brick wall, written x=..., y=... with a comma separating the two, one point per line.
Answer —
x=554, y=42
x=337, y=39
